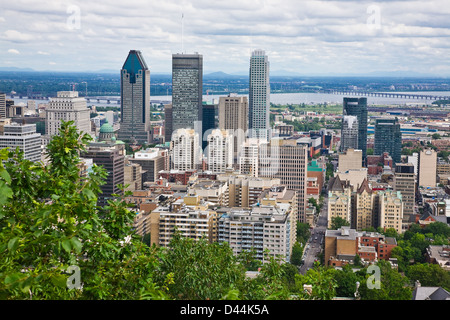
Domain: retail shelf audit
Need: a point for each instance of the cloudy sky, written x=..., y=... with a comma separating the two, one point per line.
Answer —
x=302, y=36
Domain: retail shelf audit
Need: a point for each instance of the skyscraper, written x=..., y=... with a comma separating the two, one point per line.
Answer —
x=220, y=151
x=135, y=99
x=427, y=168
x=2, y=105
x=388, y=138
x=233, y=115
x=259, y=96
x=358, y=107
x=187, y=90
x=349, y=133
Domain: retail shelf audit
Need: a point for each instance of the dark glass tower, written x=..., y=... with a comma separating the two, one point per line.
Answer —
x=388, y=138
x=187, y=91
x=209, y=121
x=135, y=99
x=358, y=107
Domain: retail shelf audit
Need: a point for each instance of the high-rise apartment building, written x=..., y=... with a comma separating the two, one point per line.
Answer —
x=388, y=138
x=219, y=151
x=187, y=91
x=244, y=189
x=405, y=183
x=391, y=210
x=262, y=227
x=248, y=157
x=427, y=168
x=358, y=107
x=185, y=150
x=349, y=133
x=135, y=99
x=23, y=136
x=259, y=96
x=339, y=200
x=67, y=106
x=363, y=207
x=233, y=115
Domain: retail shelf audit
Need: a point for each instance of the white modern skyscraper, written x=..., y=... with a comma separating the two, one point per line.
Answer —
x=67, y=106
x=259, y=96
x=220, y=151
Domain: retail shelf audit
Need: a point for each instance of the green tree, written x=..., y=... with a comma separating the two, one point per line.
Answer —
x=322, y=282
x=430, y=275
x=338, y=222
x=50, y=222
x=392, y=285
x=200, y=270
x=297, y=253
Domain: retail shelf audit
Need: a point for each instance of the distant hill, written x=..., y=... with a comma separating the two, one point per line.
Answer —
x=15, y=69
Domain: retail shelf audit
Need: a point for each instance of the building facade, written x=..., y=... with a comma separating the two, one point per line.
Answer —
x=233, y=115
x=67, y=106
x=349, y=133
x=427, y=168
x=219, y=151
x=388, y=138
x=187, y=91
x=24, y=137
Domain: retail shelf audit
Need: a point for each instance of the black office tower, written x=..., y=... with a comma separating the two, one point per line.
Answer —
x=388, y=138
x=358, y=107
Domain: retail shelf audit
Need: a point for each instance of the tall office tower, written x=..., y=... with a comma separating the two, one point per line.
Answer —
x=111, y=157
x=248, y=157
x=233, y=115
x=358, y=107
x=259, y=96
x=388, y=138
x=67, y=106
x=208, y=122
x=187, y=91
x=287, y=160
x=427, y=168
x=134, y=99
x=185, y=150
x=2, y=105
x=23, y=136
x=219, y=151
x=168, y=122
x=349, y=133
x=405, y=182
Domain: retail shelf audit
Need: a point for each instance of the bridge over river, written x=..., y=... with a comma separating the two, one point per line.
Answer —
x=400, y=95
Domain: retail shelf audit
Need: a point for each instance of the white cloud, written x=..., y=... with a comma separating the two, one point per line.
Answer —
x=43, y=53
x=13, y=51
x=313, y=35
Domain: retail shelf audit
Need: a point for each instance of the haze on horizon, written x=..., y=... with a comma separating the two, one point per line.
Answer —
x=302, y=37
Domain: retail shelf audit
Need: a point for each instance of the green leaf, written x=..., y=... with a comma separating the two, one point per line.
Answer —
x=5, y=175
x=67, y=245
x=67, y=150
x=59, y=280
x=13, y=244
x=76, y=244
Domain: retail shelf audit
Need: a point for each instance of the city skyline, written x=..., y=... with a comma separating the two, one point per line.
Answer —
x=307, y=37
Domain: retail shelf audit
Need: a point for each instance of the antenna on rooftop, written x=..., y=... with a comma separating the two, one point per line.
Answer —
x=182, y=33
